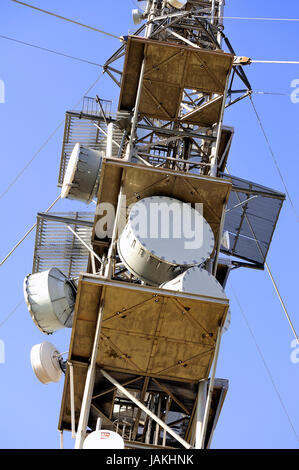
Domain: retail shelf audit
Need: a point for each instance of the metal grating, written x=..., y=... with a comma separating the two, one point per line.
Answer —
x=252, y=224
x=90, y=106
x=56, y=246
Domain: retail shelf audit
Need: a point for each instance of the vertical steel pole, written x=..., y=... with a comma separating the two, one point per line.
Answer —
x=220, y=19
x=93, y=264
x=99, y=424
x=219, y=240
x=165, y=420
x=61, y=439
x=200, y=411
x=72, y=399
x=210, y=392
x=216, y=145
x=129, y=152
x=157, y=430
x=89, y=384
x=148, y=32
x=150, y=422
x=142, y=396
x=213, y=11
x=109, y=140
x=109, y=266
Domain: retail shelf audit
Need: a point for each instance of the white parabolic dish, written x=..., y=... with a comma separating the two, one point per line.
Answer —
x=45, y=363
x=171, y=230
x=103, y=439
x=50, y=297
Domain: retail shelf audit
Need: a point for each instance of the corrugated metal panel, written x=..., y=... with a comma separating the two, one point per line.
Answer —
x=252, y=224
x=56, y=246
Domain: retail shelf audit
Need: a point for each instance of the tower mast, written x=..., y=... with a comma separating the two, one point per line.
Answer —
x=149, y=313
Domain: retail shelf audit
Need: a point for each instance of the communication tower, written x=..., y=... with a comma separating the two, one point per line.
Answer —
x=147, y=313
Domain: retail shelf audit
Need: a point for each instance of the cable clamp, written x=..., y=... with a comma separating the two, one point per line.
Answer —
x=241, y=60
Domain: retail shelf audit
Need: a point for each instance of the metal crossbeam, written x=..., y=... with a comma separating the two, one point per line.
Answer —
x=145, y=409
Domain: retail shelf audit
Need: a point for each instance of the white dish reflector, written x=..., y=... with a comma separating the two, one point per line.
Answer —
x=103, y=439
x=50, y=297
x=82, y=174
x=44, y=359
x=137, y=16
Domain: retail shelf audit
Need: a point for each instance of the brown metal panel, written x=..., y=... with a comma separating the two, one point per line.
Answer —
x=207, y=70
x=109, y=186
x=131, y=72
x=131, y=312
x=125, y=352
x=169, y=69
x=160, y=100
x=85, y=317
x=178, y=361
x=205, y=115
x=166, y=62
x=147, y=331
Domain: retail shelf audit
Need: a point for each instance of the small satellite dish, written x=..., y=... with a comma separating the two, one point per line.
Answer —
x=200, y=282
x=177, y=3
x=104, y=439
x=137, y=16
x=82, y=174
x=155, y=243
x=50, y=297
x=45, y=363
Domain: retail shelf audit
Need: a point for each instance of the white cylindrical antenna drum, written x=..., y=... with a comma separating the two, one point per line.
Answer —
x=137, y=16
x=104, y=439
x=44, y=360
x=50, y=297
x=82, y=174
x=200, y=282
x=177, y=3
x=157, y=242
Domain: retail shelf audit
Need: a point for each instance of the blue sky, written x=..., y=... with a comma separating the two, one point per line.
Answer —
x=39, y=88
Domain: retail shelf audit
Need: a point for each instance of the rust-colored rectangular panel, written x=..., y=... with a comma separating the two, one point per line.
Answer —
x=131, y=72
x=169, y=68
x=207, y=70
x=145, y=331
x=205, y=115
x=138, y=321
